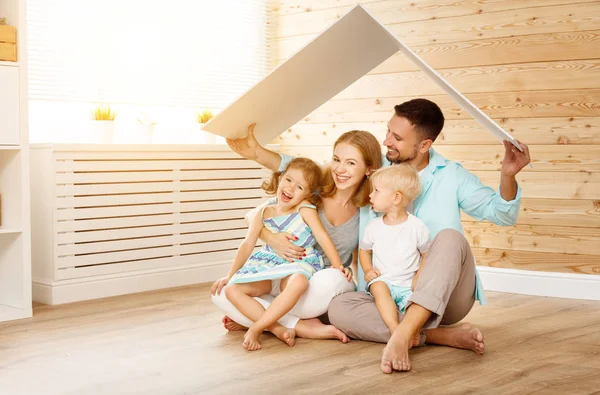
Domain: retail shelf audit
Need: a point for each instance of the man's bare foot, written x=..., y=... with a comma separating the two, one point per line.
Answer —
x=288, y=336
x=231, y=325
x=395, y=354
x=251, y=340
x=314, y=329
x=467, y=338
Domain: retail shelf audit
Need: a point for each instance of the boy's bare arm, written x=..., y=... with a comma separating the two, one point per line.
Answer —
x=421, y=264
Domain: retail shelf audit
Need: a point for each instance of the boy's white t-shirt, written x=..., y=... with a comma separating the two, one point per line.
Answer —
x=396, y=248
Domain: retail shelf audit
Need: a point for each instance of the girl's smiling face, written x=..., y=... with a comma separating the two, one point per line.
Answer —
x=293, y=188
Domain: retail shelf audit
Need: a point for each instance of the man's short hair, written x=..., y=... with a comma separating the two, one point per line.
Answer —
x=424, y=115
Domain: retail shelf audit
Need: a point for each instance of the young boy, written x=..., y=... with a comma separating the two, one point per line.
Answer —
x=393, y=247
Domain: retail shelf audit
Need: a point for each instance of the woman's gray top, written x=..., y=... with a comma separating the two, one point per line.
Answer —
x=344, y=237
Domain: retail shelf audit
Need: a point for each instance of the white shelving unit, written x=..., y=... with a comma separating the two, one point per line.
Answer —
x=15, y=227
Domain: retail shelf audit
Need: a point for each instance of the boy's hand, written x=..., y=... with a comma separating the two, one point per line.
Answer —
x=371, y=275
x=347, y=272
x=218, y=285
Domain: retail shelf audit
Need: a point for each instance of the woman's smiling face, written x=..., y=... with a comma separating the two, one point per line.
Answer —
x=348, y=167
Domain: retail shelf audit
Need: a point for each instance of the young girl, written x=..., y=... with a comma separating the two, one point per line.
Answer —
x=265, y=272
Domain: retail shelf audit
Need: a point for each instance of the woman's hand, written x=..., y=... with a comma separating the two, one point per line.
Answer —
x=246, y=147
x=282, y=244
x=346, y=272
x=371, y=275
x=218, y=285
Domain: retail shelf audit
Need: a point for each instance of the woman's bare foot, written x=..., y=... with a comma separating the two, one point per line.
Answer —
x=251, y=340
x=288, y=336
x=314, y=329
x=231, y=325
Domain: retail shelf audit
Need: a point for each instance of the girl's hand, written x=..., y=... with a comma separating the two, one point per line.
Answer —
x=347, y=272
x=282, y=244
x=218, y=285
x=371, y=275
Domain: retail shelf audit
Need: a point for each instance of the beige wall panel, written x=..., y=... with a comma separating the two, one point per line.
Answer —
x=575, y=74
x=526, y=260
x=550, y=239
x=531, y=65
x=321, y=13
x=557, y=212
x=527, y=21
x=544, y=131
x=516, y=104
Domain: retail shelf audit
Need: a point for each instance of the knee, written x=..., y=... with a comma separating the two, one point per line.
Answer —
x=450, y=237
x=229, y=291
x=299, y=280
x=331, y=281
x=378, y=287
x=338, y=308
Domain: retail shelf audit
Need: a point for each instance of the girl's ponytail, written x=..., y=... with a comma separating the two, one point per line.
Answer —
x=270, y=187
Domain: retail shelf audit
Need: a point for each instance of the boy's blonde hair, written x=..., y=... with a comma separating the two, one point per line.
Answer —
x=401, y=178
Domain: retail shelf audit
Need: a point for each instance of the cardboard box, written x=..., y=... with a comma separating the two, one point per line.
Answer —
x=8, y=43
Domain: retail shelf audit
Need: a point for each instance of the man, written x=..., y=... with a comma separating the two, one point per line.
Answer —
x=448, y=284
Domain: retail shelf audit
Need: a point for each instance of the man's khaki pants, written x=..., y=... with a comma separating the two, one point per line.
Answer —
x=446, y=287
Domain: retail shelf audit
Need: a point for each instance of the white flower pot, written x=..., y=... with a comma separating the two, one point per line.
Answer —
x=101, y=132
x=206, y=137
x=136, y=134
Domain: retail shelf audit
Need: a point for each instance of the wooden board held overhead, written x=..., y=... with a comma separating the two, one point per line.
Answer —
x=343, y=53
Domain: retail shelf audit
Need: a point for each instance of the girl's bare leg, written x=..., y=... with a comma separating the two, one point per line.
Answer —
x=292, y=287
x=242, y=297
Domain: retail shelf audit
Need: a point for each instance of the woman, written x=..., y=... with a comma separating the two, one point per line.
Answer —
x=356, y=154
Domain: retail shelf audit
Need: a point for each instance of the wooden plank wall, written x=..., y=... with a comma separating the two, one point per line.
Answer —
x=532, y=65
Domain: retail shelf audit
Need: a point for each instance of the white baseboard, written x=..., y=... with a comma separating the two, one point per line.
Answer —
x=527, y=282
x=74, y=290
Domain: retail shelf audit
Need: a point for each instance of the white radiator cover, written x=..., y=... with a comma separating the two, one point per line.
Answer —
x=115, y=219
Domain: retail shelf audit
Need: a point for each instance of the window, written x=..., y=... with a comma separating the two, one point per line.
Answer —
x=166, y=59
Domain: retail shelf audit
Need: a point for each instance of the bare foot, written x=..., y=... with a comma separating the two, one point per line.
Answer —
x=467, y=338
x=231, y=325
x=314, y=329
x=288, y=336
x=251, y=340
x=415, y=341
x=395, y=355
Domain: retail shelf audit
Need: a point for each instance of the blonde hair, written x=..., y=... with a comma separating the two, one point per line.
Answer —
x=312, y=175
x=370, y=150
x=401, y=178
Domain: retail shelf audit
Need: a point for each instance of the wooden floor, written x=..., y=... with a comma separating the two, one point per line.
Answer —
x=172, y=342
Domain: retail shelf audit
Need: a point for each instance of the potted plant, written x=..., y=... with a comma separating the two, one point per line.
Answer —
x=203, y=118
x=103, y=125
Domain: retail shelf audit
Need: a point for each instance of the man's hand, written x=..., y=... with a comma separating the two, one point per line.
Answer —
x=514, y=160
x=371, y=275
x=246, y=146
x=218, y=285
